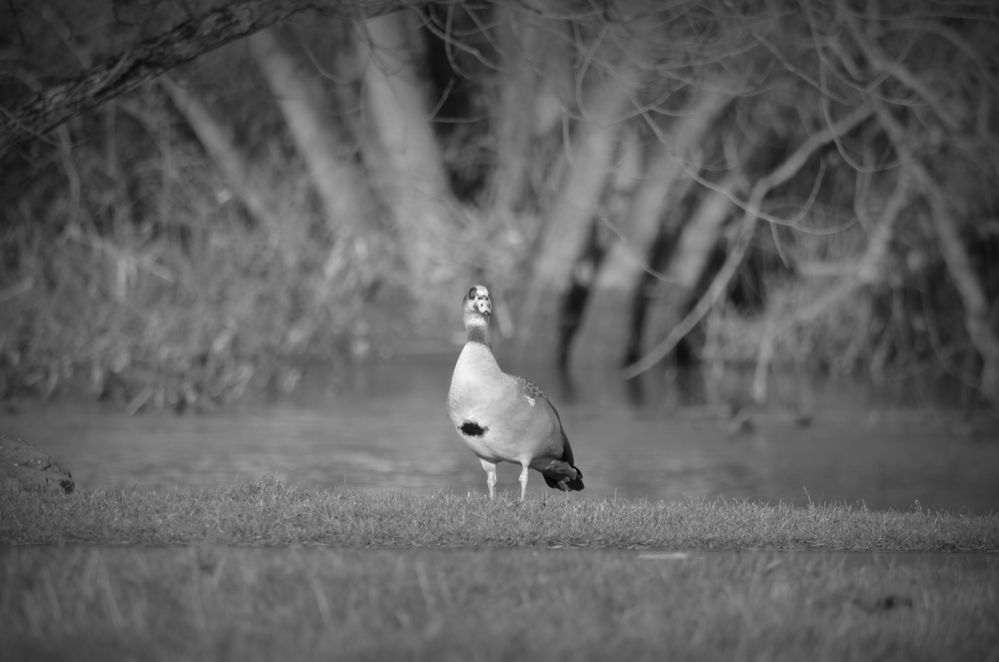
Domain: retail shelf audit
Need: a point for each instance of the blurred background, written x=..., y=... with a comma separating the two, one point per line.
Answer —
x=727, y=221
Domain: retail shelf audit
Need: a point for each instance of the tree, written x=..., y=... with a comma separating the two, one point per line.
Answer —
x=663, y=184
x=623, y=171
x=185, y=41
x=411, y=175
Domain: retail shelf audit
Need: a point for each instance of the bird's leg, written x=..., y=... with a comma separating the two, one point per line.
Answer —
x=523, y=482
x=490, y=468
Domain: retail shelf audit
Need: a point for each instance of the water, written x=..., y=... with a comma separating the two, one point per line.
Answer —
x=386, y=428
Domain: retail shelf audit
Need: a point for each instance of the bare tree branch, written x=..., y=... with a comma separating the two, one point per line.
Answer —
x=865, y=271
x=182, y=43
x=218, y=142
x=884, y=63
x=752, y=211
x=955, y=255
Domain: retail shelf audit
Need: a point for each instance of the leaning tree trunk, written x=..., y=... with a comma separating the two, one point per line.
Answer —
x=604, y=334
x=512, y=117
x=969, y=288
x=217, y=140
x=567, y=228
x=864, y=272
x=527, y=105
x=411, y=178
x=346, y=200
x=672, y=296
x=348, y=208
x=955, y=254
x=752, y=210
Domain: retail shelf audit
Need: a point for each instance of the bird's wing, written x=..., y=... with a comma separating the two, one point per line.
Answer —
x=534, y=395
x=530, y=390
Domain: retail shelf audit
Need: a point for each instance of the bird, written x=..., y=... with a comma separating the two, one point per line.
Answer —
x=502, y=417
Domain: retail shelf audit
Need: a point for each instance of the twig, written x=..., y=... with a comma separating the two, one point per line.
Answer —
x=791, y=166
x=955, y=256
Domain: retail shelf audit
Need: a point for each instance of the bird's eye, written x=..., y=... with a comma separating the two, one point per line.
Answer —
x=471, y=293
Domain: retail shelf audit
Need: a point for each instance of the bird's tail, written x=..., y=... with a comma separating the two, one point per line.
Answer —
x=562, y=476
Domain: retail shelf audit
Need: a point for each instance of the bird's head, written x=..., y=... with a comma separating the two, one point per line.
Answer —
x=478, y=307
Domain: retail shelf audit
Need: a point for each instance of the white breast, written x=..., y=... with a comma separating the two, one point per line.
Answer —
x=476, y=376
x=481, y=393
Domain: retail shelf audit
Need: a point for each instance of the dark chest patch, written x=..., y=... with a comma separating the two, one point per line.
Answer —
x=472, y=429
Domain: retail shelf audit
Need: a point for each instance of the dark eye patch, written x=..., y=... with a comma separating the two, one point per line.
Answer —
x=471, y=293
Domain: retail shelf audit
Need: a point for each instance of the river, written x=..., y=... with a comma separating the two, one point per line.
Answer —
x=384, y=427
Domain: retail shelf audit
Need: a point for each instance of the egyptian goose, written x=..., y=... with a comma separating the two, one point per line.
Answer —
x=501, y=417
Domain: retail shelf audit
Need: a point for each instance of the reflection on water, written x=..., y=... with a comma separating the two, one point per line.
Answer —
x=387, y=428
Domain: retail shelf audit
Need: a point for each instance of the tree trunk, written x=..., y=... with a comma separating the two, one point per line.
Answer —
x=752, y=209
x=412, y=179
x=346, y=200
x=217, y=140
x=156, y=55
x=864, y=272
x=955, y=255
x=673, y=295
x=969, y=288
x=348, y=207
x=528, y=54
x=564, y=237
x=604, y=333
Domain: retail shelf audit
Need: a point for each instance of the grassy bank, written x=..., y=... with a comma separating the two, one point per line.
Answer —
x=262, y=571
x=268, y=513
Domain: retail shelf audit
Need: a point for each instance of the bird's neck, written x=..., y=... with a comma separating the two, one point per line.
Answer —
x=478, y=333
x=476, y=361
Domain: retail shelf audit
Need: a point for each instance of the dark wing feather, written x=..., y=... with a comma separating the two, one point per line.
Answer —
x=562, y=474
x=530, y=389
x=559, y=473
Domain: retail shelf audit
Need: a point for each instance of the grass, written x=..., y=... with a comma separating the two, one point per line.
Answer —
x=269, y=513
x=263, y=570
